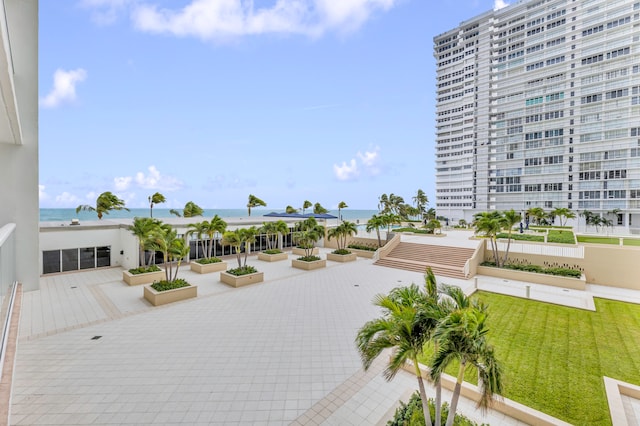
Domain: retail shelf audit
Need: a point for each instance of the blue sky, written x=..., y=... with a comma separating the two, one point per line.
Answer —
x=212, y=100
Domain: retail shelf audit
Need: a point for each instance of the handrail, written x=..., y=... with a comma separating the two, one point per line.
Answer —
x=5, y=232
x=7, y=324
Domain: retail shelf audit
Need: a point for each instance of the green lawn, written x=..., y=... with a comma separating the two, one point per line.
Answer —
x=598, y=240
x=561, y=236
x=632, y=242
x=554, y=357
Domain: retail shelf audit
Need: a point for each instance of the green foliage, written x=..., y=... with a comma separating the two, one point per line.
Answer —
x=208, y=260
x=410, y=414
x=563, y=271
x=414, y=230
x=362, y=246
x=243, y=270
x=522, y=237
x=598, y=240
x=272, y=251
x=144, y=270
x=341, y=251
x=309, y=258
x=165, y=285
x=559, y=236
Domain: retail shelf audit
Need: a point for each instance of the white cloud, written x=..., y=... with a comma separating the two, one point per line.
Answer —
x=499, y=4
x=346, y=171
x=64, y=87
x=369, y=158
x=42, y=196
x=91, y=196
x=67, y=199
x=223, y=19
x=122, y=183
x=155, y=180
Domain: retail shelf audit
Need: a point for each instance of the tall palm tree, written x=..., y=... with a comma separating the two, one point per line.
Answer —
x=398, y=328
x=198, y=229
x=376, y=222
x=154, y=199
x=318, y=209
x=564, y=214
x=290, y=210
x=238, y=238
x=461, y=336
x=104, y=204
x=536, y=213
x=254, y=202
x=421, y=201
x=308, y=233
x=191, y=209
x=390, y=219
x=490, y=224
x=509, y=220
x=341, y=205
x=142, y=228
x=217, y=224
x=342, y=232
x=306, y=205
x=165, y=239
x=383, y=203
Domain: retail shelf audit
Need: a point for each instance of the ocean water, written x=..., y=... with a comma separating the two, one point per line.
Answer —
x=65, y=215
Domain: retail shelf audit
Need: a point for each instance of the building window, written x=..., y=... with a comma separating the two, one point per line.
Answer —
x=75, y=259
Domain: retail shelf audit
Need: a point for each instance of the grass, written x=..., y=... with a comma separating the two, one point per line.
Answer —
x=631, y=242
x=554, y=357
x=598, y=240
x=522, y=237
x=560, y=236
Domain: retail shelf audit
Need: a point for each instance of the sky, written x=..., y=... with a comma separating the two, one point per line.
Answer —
x=212, y=100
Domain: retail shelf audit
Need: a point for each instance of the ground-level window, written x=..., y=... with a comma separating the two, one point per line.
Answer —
x=75, y=259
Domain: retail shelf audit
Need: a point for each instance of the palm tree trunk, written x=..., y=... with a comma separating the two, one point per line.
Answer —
x=456, y=395
x=423, y=394
x=378, y=232
x=506, y=254
x=438, y=402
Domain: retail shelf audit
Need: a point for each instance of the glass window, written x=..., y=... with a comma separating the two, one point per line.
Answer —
x=50, y=261
x=87, y=258
x=70, y=259
x=103, y=256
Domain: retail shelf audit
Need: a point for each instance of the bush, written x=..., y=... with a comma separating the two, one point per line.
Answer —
x=411, y=414
x=208, y=260
x=341, y=251
x=144, y=270
x=522, y=237
x=165, y=285
x=414, y=230
x=245, y=270
x=563, y=271
x=272, y=251
x=366, y=247
x=309, y=258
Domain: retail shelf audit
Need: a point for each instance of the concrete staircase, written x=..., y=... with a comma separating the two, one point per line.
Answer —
x=444, y=260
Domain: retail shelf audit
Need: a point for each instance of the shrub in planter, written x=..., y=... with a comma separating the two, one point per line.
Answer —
x=411, y=414
x=559, y=271
x=272, y=251
x=165, y=285
x=341, y=251
x=144, y=270
x=309, y=258
x=362, y=247
x=243, y=270
x=208, y=260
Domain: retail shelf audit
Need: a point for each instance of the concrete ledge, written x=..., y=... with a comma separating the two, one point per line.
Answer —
x=615, y=389
x=367, y=254
x=309, y=266
x=503, y=405
x=208, y=267
x=342, y=257
x=532, y=277
x=241, y=280
x=273, y=257
x=157, y=298
x=301, y=252
x=146, y=278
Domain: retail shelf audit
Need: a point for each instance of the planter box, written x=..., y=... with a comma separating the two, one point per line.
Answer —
x=367, y=254
x=241, y=280
x=309, y=266
x=209, y=267
x=146, y=278
x=342, y=257
x=273, y=257
x=532, y=277
x=157, y=298
x=301, y=252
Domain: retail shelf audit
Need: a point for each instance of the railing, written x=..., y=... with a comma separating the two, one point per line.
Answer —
x=7, y=283
x=543, y=249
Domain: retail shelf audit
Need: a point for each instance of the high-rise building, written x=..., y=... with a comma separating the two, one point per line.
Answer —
x=538, y=105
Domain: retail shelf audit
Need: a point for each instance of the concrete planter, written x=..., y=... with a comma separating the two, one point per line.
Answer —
x=342, y=257
x=532, y=277
x=300, y=252
x=207, y=268
x=273, y=257
x=241, y=280
x=309, y=266
x=146, y=278
x=157, y=298
x=367, y=254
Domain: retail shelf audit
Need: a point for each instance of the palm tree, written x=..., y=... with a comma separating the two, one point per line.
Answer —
x=376, y=222
x=104, y=204
x=341, y=205
x=291, y=210
x=537, y=213
x=398, y=328
x=306, y=205
x=254, y=202
x=199, y=229
x=318, y=209
x=421, y=201
x=217, y=224
x=509, y=220
x=154, y=199
x=342, y=232
x=165, y=239
x=461, y=336
x=268, y=229
x=142, y=228
x=191, y=209
x=383, y=203
x=308, y=233
x=489, y=224
x=239, y=238
x=431, y=213
x=563, y=212
x=390, y=219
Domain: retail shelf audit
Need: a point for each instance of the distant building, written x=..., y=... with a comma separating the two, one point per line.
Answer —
x=538, y=105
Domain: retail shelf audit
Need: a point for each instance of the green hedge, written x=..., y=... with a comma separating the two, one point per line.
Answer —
x=272, y=251
x=208, y=260
x=551, y=270
x=144, y=270
x=165, y=285
x=309, y=258
x=245, y=270
x=341, y=251
x=522, y=237
x=411, y=414
x=363, y=247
